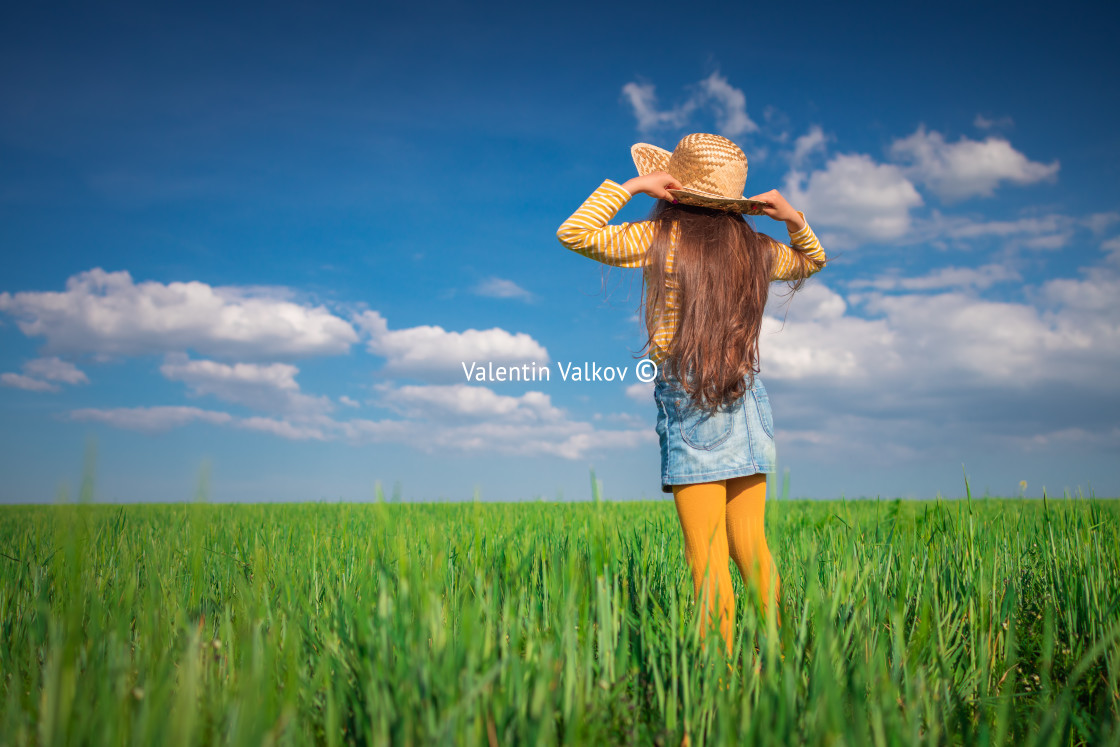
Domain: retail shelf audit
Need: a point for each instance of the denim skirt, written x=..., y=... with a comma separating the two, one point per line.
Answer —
x=697, y=447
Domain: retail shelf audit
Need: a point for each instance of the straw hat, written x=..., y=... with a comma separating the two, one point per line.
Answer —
x=711, y=169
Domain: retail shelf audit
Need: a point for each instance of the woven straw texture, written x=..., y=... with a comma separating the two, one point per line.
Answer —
x=711, y=169
x=744, y=206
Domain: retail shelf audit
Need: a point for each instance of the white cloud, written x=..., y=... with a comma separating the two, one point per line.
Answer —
x=458, y=401
x=856, y=198
x=19, y=381
x=1051, y=242
x=777, y=122
x=730, y=105
x=566, y=439
x=1045, y=232
x=812, y=141
x=640, y=392
x=944, y=277
x=39, y=373
x=433, y=352
x=1098, y=223
x=950, y=342
x=820, y=340
x=1095, y=300
x=151, y=419
x=976, y=340
x=466, y=419
x=271, y=388
x=894, y=382
x=984, y=123
x=965, y=228
x=55, y=369
x=106, y=313
x=643, y=99
x=502, y=288
x=1112, y=247
x=438, y=419
x=625, y=418
x=966, y=168
x=283, y=429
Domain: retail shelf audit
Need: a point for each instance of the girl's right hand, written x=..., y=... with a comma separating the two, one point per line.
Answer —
x=656, y=184
x=780, y=210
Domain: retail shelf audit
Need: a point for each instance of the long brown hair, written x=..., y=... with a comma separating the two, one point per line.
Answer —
x=722, y=268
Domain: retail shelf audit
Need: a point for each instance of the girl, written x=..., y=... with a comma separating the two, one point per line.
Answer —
x=706, y=277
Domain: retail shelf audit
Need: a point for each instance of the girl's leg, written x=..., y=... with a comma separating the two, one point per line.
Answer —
x=701, y=508
x=746, y=536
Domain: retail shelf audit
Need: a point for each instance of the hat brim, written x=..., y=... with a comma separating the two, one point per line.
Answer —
x=649, y=158
x=741, y=205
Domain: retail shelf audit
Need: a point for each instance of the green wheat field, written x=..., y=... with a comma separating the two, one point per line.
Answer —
x=977, y=621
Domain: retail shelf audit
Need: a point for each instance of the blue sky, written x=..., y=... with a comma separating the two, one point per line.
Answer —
x=260, y=242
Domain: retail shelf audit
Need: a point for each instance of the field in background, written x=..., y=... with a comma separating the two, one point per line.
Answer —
x=982, y=622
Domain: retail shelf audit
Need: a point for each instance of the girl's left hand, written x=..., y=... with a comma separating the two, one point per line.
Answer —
x=656, y=184
x=780, y=209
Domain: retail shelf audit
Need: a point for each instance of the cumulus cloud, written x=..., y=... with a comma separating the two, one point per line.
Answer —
x=464, y=401
x=855, y=199
x=151, y=419
x=107, y=313
x=1092, y=302
x=502, y=288
x=949, y=341
x=966, y=168
x=1038, y=232
x=984, y=123
x=965, y=228
x=893, y=381
x=1098, y=223
x=1112, y=247
x=1050, y=243
x=55, y=369
x=643, y=100
x=122, y=317
x=820, y=340
x=271, y=388
x=727, y=103
x=467, y=418
x=27, y=383
x=436, y=419
x=812, y=141
x=640, y=392
x=566, y=439
x=431, y=352
x=944, y=277
x=39, y=374
x=283, y=429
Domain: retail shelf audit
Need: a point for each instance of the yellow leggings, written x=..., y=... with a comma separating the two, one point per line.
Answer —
x=721, y=516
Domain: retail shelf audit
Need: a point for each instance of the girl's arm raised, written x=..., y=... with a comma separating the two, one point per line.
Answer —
x=587, y=231
x=805, y=255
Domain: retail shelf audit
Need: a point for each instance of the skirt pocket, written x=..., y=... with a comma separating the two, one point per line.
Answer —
x=762, y=404
x=699, y=429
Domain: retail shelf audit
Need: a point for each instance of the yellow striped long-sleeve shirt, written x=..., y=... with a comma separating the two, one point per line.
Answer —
x=587, y=232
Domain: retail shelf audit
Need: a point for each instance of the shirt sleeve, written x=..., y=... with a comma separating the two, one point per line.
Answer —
x=587, y=231
x=803, y=257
